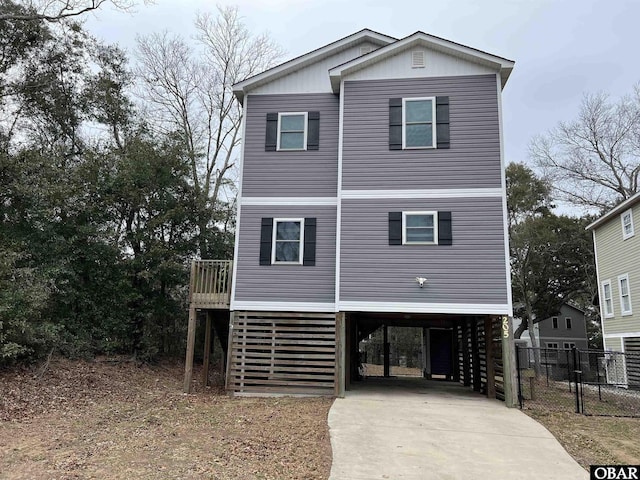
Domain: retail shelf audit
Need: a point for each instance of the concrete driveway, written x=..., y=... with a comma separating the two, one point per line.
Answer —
x=417, y=429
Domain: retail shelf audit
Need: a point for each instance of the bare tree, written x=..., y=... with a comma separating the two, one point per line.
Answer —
x=188, y=90
x=594, y=161
x=56, y=10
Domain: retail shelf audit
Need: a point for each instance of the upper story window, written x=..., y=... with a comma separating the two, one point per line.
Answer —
x=625, y=294
x=567, y=322
x=607, y=298
x=554, y=322
x=292, y=131
x=287, y=240
x=627, y=224
x=418, y=122
x=420, y=228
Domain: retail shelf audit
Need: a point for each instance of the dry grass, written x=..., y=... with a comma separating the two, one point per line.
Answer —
x=373, y=370
x=591, y=440
x=114, y=421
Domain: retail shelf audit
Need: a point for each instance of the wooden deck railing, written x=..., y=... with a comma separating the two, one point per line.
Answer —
x=210, y=285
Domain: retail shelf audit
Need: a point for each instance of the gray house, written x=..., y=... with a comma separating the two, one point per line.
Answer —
x=372, y=193
x=566, y=330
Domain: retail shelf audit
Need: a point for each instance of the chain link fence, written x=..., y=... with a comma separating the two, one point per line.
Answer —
x=591, y=382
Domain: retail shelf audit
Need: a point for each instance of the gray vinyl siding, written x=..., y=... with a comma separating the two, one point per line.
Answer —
x=576, y=334
x=473, y=161
x=286, y=283
x=617, y=256
x=291, y=174
x=472, y=270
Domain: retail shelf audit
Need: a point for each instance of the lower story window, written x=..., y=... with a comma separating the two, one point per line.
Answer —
x=569, y=345
x=419, y=228
x=552, y=345
x=287, y=240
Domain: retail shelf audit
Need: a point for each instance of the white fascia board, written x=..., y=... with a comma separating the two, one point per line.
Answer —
x=241, y=88
x=628, y=203
x=291, y=201
x=422, y=193
x=505, y=66
x=410, y=307
x=266, y=306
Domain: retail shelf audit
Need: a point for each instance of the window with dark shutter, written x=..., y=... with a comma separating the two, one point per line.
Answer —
x=442, y=122
x=410, y=130
x=266, y=235
x=395, y=228
x=395, y=124
x=271, y=136
x=309, y=253
x=313, y=133
x=445, y=236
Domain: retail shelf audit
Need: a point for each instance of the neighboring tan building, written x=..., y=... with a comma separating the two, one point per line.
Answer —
x=617, y=250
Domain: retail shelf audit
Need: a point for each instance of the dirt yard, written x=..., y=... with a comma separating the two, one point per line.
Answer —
x=591, y=440
x=117, y=420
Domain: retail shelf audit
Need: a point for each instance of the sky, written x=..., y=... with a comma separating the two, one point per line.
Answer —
x=562, y=48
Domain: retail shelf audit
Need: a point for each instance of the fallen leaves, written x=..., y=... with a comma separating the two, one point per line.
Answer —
x=119, y=420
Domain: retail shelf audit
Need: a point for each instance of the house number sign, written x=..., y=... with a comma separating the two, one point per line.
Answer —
x=505, y=327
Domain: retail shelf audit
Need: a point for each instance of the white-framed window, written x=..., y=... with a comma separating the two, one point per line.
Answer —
x=288, y=241
x=418, y=123
x=419, y=228
x=567, y=322
x=554, y=322
x=552, y=345
x=292, y=131
x=607, y=299
x=625, y=294
x=568, y=345
x=627, y=224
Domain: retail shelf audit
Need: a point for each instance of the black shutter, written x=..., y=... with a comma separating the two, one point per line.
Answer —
x=271, y=137
x=266, y=236
x=444, y=229
x=395, y=228
x=309, y=254
x=395, y=124
x=442, y=122
x=313, y=131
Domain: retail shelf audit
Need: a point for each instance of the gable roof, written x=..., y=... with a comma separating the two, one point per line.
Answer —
x=364, y=35
x=628, y=203
x=429, y=41
x=389, y=46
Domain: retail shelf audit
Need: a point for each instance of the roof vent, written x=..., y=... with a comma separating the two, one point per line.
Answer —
x=366, y=49
x=417, y=59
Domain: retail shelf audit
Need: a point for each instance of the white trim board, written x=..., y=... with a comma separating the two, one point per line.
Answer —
x=267, y=306
x=622, y=335
x=339, y=198
x=410, y=307
x=236, y=243
x=290, y=201
x=423, y=193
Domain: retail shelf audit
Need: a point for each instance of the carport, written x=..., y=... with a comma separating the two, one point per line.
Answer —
x=468, y=350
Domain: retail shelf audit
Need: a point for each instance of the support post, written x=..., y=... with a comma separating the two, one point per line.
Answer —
x=385, y=350
x=509, y=362
x=491, y=372
x=475, y=355
x=207, y=350
x=425, y=353
x=191, y=341
x=466, y=364
x=229, y=352
x=340, y=355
